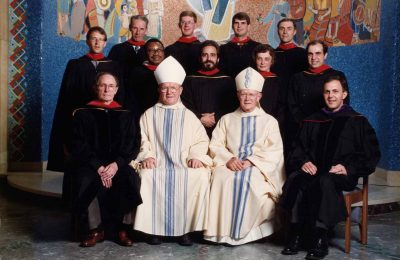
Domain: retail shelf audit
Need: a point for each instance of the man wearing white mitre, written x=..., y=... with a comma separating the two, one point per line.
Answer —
x=173, y=162
x=247, y=180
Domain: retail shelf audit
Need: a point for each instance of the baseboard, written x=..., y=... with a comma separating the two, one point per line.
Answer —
x=26, y=166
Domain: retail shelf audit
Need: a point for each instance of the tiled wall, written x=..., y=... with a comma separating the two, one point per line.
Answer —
x=372, y=71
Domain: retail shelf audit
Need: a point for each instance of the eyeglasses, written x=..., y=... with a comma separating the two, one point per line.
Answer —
x=168, y=89
x=94, y=39
x=247, y=95
x=153, y=51
x=110, y=86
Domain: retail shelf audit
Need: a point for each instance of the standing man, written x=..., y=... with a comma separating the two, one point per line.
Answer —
x=76, y=91
x=130, y=53
x=105, y=138
x=335, y=146
x=236, y=54
x=208, y=92
x=185, y=50
x=142, y=87
x=247, y=180
x=173, y=163
x=289, y=57
x=305, y=91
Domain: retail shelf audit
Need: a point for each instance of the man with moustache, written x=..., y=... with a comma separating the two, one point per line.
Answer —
x=208, y=92
x=335, y=146
x=141, y=88
x=130, y=53
x=186, y=48
x=236, y=55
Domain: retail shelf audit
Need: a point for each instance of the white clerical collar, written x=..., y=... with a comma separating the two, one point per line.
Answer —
x=258, y=111
x=178, y=105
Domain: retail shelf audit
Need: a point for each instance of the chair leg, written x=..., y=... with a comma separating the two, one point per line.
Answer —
x=347, y=233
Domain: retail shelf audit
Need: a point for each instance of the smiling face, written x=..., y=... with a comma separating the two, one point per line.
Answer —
x=155, y=53
x=169, y=93
x=286, y=31
x=240, y=28
x=316, y=56
x=248, y=99
x=263, y=61
x=187, y=26
x=106, y=88
x=334, y=95
x=96, y=42
x=209, y=58
x=138, y=29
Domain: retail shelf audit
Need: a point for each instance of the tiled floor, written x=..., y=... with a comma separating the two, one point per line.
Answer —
x=34, y=227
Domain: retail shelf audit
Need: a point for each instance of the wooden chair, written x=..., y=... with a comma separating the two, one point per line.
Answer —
x=357, y=195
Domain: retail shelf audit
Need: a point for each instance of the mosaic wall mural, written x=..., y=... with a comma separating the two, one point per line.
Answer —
x=337, y=22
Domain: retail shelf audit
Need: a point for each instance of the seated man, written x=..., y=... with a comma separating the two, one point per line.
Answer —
x=104, y=141
x=247, y=150
x=334, y=148
x=173, y=163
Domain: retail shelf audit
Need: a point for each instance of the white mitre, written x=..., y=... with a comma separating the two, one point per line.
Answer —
x=249, y=78
x=170, y=70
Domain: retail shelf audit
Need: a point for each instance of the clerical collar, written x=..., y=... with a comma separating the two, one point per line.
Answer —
x=287, y=46
x=95, y=56
x=97, y=103
x=240, y=42
x=136, y=43
x=150, y=66
x=209, y=72
x=320, y=69
x=343, y=108
x=267, y=74
x=258, y=111
x=188, y=39
x=178, y=105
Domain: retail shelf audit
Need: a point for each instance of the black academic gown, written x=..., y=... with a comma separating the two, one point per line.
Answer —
x=141, y=89
x=126, y=54
x=76, y=91
x=101, y=136
x=327, y=139
x=187, y=54
x=271, y=100
x=235, y=57
x=209, y=94
x=289, y=62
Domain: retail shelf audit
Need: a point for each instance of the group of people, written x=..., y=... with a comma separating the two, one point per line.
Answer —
x=228, y=140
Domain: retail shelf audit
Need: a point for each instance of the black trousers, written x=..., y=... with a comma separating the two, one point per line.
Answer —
x=310, y=198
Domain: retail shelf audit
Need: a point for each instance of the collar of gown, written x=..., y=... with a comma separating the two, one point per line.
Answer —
x=178, y=105
x=258, y=111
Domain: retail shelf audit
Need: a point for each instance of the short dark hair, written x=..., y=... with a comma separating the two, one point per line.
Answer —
x=262, y=48
x=287, y=20
x=316, y=42
x=209, y=43
x=339, y=78
x=99, y=76
x=150, y=41
x=96, y=29
x=241, y=16
x=188, y=13
x=138, y=17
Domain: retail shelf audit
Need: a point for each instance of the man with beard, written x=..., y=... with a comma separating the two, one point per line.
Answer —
x=130, y=53
x=76, y=91
x=141, y=91
x=209, y=93
x=236, y=55
x=186, y=48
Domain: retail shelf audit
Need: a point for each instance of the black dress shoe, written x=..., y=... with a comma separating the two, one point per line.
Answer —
x=154, y=240
x=185, y=240
x=320, y=250
x=293, y=247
